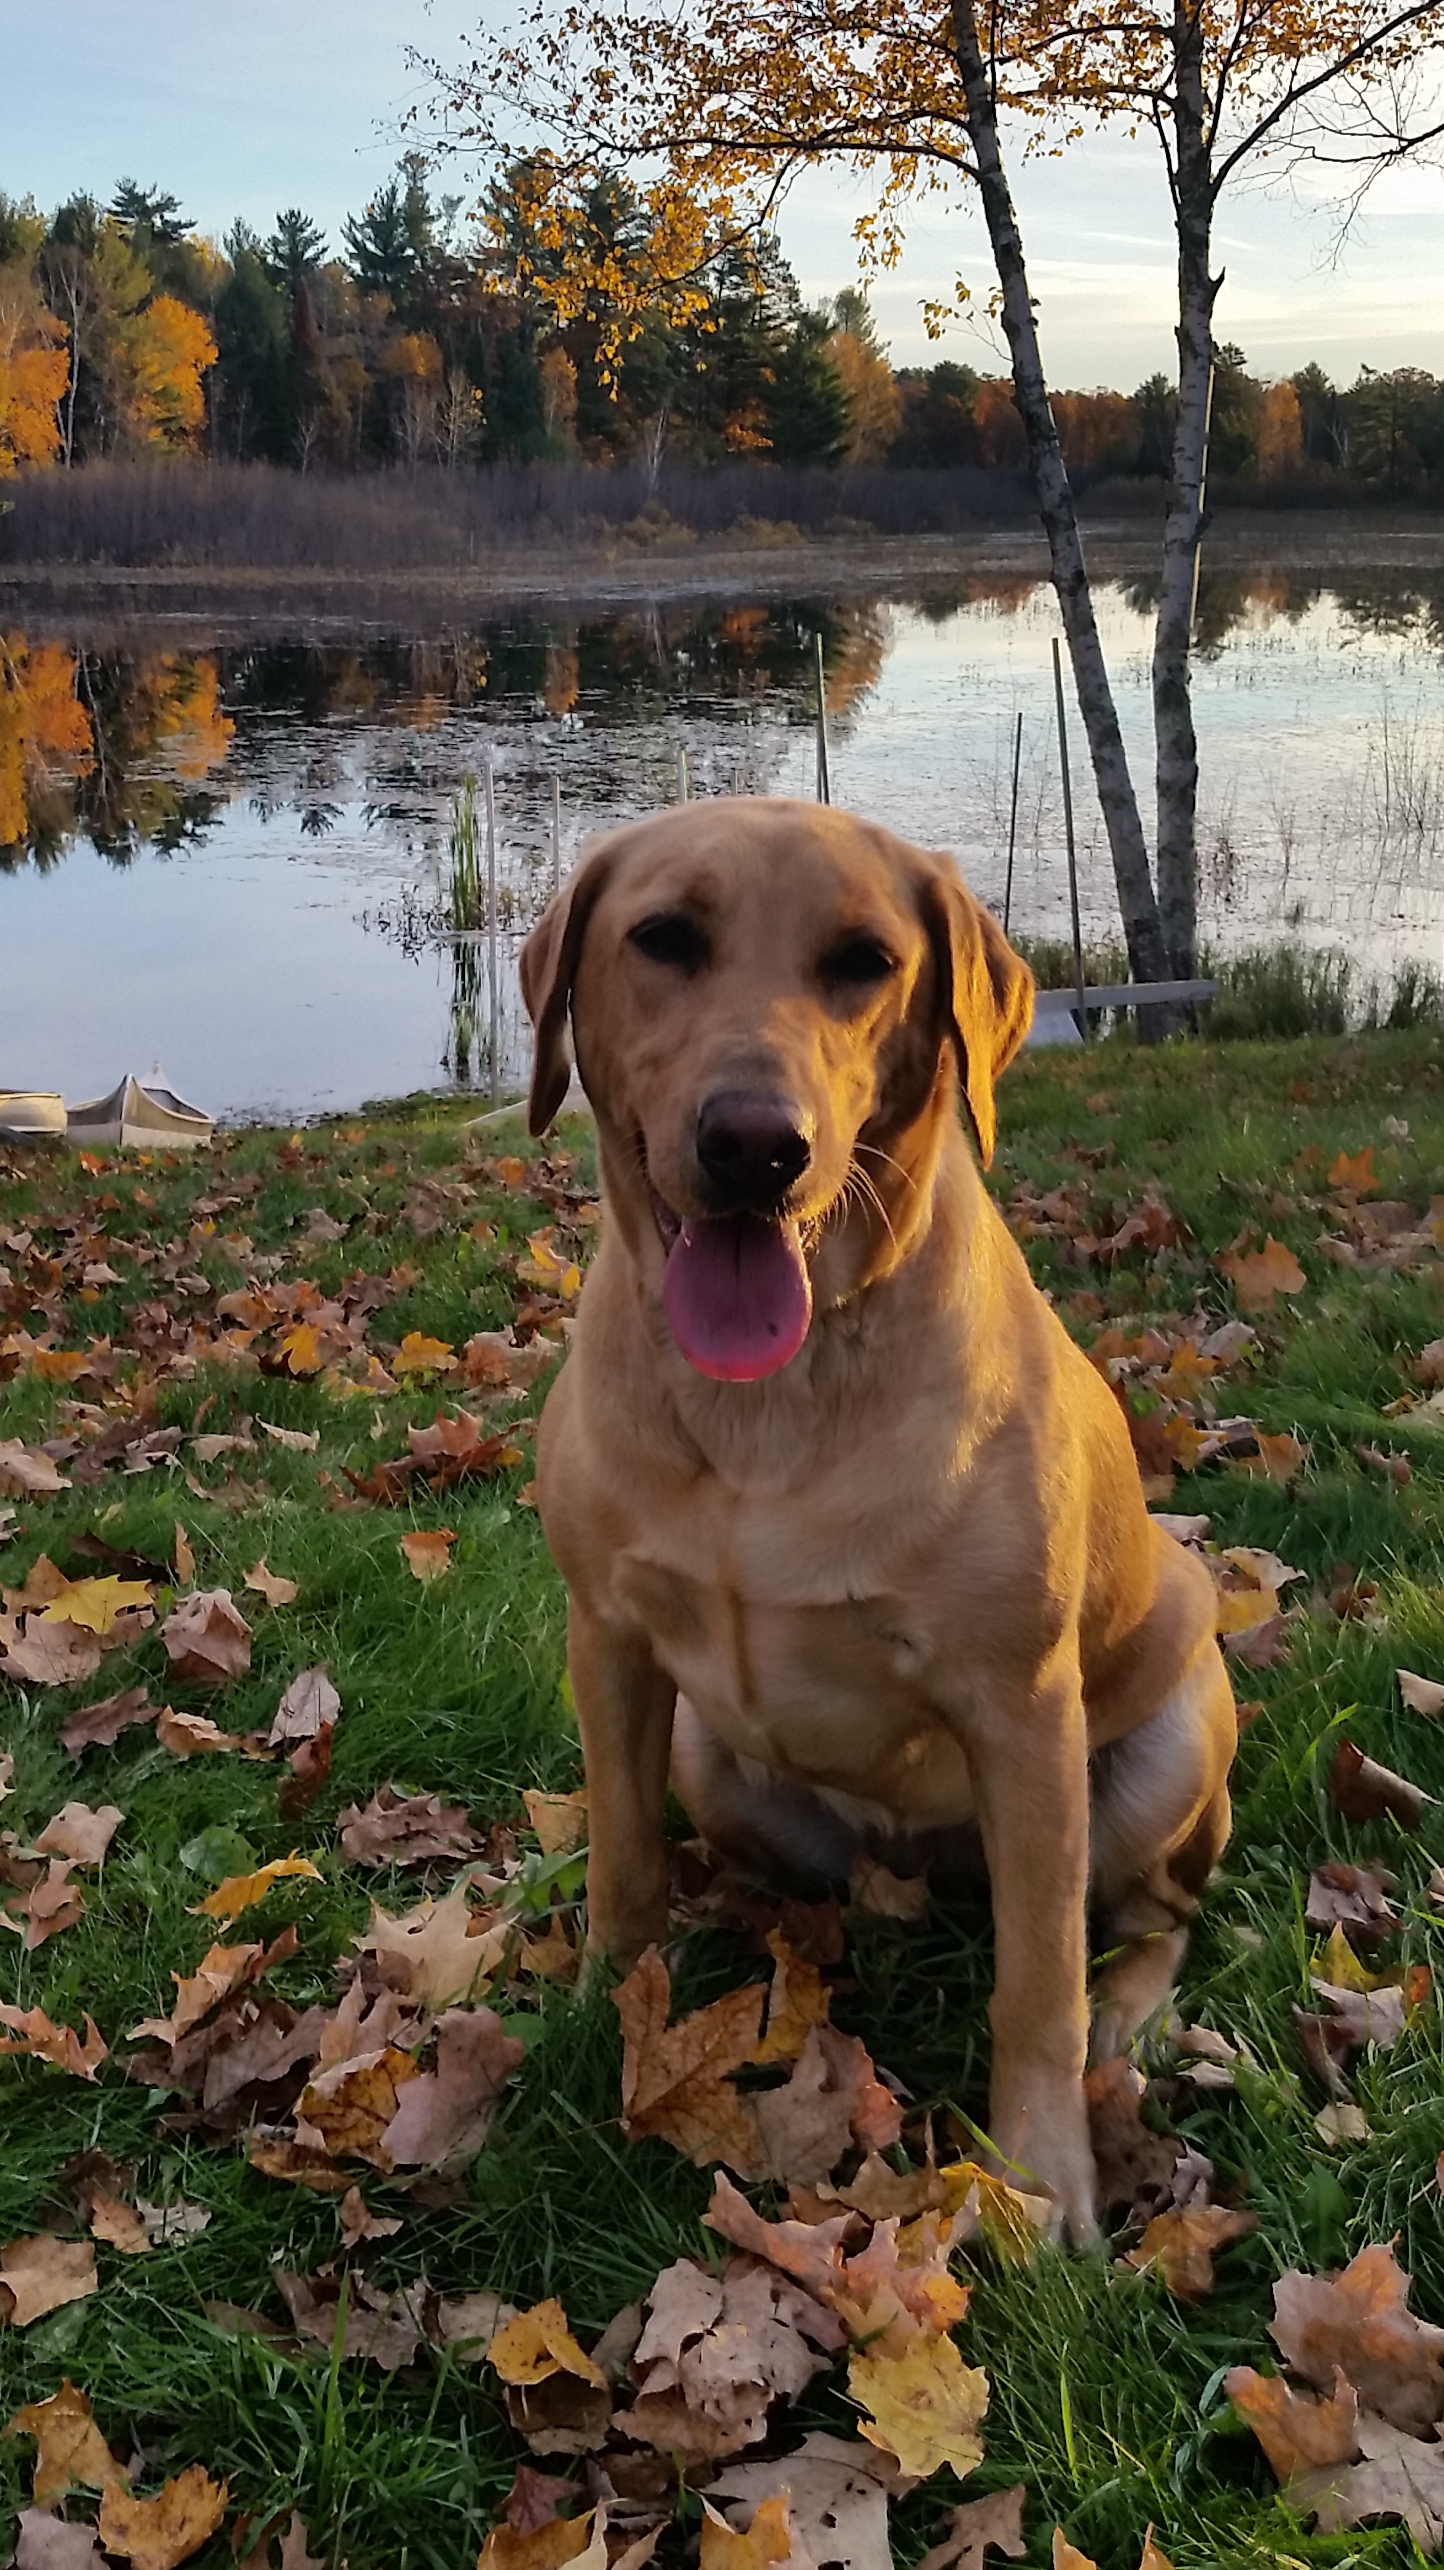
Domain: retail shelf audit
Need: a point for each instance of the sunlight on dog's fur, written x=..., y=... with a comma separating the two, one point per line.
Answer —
x=852, y=1532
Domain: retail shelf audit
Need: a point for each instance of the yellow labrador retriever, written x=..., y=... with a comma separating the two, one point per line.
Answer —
x=852, y=1532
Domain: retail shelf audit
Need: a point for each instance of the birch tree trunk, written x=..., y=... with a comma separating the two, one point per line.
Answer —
x=1175, y=745
x=1138, y=907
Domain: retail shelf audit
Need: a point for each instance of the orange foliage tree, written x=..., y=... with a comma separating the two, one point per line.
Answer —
x=34, y=370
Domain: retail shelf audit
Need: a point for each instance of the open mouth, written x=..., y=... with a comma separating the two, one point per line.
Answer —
x=735, y=1290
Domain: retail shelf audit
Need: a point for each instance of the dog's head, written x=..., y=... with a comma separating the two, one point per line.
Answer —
x=766, y=997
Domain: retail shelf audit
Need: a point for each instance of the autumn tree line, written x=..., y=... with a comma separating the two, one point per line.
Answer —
x=423, y=338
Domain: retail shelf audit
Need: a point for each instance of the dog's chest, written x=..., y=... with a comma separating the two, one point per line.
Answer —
x=835, y=1692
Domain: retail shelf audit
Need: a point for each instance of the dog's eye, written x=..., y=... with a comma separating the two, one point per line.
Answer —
x=858, y=960
x=671, y=938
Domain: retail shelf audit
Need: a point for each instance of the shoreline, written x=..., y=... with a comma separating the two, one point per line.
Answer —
x=220, y=605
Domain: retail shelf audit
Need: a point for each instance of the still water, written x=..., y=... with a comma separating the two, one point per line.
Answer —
x=233, y=861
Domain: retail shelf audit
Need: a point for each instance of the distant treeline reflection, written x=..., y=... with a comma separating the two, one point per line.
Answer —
x=144, y=747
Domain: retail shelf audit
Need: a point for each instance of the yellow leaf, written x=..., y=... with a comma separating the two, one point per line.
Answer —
x=767, y=2539
x=95, y=1603
x=420, y=1355
x=428, y=1554
x=1066, y=2555
x=925, y=2403
x=240, y=1891
x=69, y=2447
x=799, y=1998
x=301, y=1348
x=560, y=1820
x=1337, y=1963
x=1356, y=1174
x=156, y=2534
x=1258, y=1275
x=539, y=2343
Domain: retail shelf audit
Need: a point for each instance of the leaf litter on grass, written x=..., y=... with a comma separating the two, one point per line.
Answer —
x=1179, y=1369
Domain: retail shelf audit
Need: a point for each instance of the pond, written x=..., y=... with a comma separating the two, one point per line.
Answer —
x=234, y=860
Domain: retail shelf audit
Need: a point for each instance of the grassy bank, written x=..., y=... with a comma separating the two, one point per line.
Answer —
x=1106, y=2391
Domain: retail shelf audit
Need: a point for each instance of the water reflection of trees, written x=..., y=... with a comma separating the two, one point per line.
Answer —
x=117, y=746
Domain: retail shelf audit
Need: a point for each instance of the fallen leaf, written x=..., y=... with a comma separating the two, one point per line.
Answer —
x=309, y=1706
x=223, y=1969
x=1356, y=1174
x=1297, y=2430
x=538, y=2343
x=468, y=2326
x=1339, y=2123
x=1421, y=1695
x=427, y=1553
x=1066, y=2556
x=833, y=2097
x=348, y=2109
x=46, y=2542
x=1258, y=1275
x=1396, y=1468
x=156, y=2534
x=99, y=1726
x=1354, y=1897
x=885, y=1895
x=995, y=2521
x=27, y=1472
x=1363, y=1790
x=768, y=2537
x=167, y=2223
x=241, y=1891
x=48, y=1655
x=359, y=2223
x=70, y=2451
x=266, y=1583
x=52, y=1904
x=208, y=1639
x=1358, y=2322
x=384, y=2327
x=32, y=2032
x=543, y=2547
x=674, y=2079
x=190, y=1735
x=439, y=1953
x=40, y=2273
x=418, y=1354
x=79, y=1833
x=1181, y=2245
x=297, y=1441
x=559, y=1820
x=838, y=2493
x=798, y=2000
x=117, y=2225
x=184, y=1557
x=925, y=2405
x=406, y=1829
x=1278, y=1458
x=310, y=1766
x=1135, y=2164
x=1399, y=2476
x=444, y=2115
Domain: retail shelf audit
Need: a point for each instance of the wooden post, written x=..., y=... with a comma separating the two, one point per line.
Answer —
x=556, y=836
x=491, y=930
x=824, y=781
x=1012, y=828
x=1072, y=851
x=682, y=782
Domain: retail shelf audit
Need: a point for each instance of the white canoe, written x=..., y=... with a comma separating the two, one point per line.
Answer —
x=141, y=1116
x=31, y=1115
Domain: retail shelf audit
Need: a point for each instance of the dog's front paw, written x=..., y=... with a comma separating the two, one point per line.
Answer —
x=1041, y=2145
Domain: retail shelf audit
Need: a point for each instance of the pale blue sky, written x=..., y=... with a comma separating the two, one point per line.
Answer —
x=279, y=102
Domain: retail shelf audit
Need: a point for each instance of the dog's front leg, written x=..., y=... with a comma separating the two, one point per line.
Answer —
x=1031, y=1777
x=624, y=1706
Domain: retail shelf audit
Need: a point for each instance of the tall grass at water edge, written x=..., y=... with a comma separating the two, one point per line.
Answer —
x=1281, y=991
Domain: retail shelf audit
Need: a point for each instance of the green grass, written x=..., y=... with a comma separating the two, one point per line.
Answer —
x=1106, y=2396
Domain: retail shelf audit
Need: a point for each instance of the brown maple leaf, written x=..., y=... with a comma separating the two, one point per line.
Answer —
x=1359, y=2322
x=675, y=2080
x=41, y=2273
x=1180, y=2246
x=1363, y=1790
x=208, y=1639
x=406, y=1829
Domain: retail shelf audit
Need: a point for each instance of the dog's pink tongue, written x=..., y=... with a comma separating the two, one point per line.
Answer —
x=737, y=1296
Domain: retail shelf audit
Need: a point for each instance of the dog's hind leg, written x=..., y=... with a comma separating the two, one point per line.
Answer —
x=767, y=1825
x=1160, y=1822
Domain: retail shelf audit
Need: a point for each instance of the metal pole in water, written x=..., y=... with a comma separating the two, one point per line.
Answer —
x=1072, y=851
x=490, y=779
x=824, y=781
x=1012, y=827
x=556, y=835
x=681, y=774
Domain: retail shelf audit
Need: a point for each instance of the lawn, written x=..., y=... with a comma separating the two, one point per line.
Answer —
x=1129, y=1174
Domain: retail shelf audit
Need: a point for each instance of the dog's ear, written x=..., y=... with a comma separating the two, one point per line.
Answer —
x=548, y=966
x=985, y=992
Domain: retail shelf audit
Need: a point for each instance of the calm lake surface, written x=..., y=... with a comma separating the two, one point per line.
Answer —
x=233, y=861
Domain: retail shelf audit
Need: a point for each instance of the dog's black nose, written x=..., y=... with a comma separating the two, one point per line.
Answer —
x=752, y=1149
